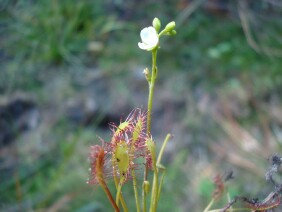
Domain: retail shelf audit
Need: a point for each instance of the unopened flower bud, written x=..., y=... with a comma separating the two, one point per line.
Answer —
x=146, y=187
x=172, y=32
x=146, y=72
x=170, y=26
x=156, y=24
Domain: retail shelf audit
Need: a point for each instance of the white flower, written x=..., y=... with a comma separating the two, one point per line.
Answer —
x=149, y=37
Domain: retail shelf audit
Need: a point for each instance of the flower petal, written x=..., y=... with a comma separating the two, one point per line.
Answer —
x=142, y=46
x=149, y=37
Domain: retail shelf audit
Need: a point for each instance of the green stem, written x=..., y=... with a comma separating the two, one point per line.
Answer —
x=168, y=136
x=161, y=184
x=209, y=205
x=150, y=105
x=150, y=98
x=144, y=203
x=118, y=191
x=229, y=200
x=151, y=89
x=135, y=190
x=155, y=189
x=124, y=206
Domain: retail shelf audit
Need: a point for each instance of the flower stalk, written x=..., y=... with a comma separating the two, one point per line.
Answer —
x=151, y=78
x=151, y=89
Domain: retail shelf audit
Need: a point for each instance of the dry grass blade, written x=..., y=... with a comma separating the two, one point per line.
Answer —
x=61, y=203
x=245, y=16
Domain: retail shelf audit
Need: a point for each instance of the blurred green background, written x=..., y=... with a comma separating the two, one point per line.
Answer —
x=68, y=68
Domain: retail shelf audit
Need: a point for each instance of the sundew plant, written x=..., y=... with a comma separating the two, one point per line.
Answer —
x=132, y=142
